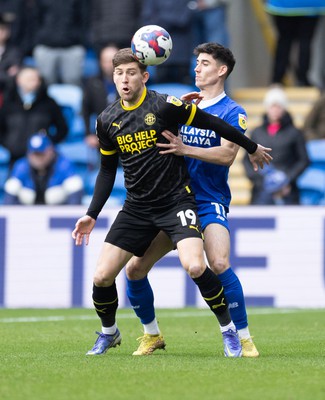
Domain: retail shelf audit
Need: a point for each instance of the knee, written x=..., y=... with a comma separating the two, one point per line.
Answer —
x=135, y=270
x=219, y=265
x=102, y=278
x=196, y=270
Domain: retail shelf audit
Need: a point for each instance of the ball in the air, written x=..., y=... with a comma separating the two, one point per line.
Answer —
x=151, y=45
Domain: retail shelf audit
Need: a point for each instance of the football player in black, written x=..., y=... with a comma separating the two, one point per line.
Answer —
x=159, y=194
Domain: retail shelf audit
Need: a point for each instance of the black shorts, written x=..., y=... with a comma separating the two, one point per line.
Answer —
x=134, y=230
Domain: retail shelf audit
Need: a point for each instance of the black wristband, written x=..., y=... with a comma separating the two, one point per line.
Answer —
x=207, y=121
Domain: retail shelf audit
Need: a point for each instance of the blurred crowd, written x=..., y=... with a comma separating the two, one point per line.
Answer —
x=56, y=77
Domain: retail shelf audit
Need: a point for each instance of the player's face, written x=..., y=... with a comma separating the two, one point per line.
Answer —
x=106, y=57
x=40, y=160
x=28, y=80
x=130, y=81
x=275, y=112
x=208, y=72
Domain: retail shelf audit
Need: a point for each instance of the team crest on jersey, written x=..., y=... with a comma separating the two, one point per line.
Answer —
x=174, y=100
x=242, y=121
x=150, y=119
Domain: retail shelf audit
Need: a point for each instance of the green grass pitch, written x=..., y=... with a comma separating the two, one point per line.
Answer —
x=42, y=357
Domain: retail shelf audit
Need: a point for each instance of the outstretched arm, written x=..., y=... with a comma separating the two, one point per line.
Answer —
x=176, y=146
x=174, y=110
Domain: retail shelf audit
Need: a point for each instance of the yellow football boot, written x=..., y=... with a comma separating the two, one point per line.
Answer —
x=248, y=348
x=149, y=343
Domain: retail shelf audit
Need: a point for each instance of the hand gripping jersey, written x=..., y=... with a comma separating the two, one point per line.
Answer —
x=131, y=133
x=208, y=180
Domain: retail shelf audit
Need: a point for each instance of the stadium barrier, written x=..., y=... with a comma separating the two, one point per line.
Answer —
x=278, y=253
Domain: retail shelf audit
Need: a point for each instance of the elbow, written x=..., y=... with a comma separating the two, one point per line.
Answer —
x=230, y=160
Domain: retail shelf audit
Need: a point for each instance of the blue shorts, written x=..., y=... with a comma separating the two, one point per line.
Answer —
x=212, y=213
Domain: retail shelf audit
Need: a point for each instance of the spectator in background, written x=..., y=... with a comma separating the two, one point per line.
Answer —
x=277, y=184
x=12, y=12
x=99, y=91
x=176, y=18
x=113, y=21
x=43, y=177
x=61, y=39
x=314, y=127
x=10, y=57
x=295, y=22
x=210, y=22
x=21, y=15
x=27, y=109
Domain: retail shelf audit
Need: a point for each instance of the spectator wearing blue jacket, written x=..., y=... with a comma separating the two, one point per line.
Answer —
x=43, y=177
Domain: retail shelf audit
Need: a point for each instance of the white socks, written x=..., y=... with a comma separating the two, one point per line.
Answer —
x=152, y=328
x=244, y=333
x=109, y=331
x=227, y=327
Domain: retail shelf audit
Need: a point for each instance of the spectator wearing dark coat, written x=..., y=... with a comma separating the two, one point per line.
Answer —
x=21, y=16
x=98, y=92
x=61, y=39
x=12, y=11
x=295, y=23
x=277, y=184
x=28, y=109
x=176, y=17
x=314, y=127
x=10, y=57
x=113, y=21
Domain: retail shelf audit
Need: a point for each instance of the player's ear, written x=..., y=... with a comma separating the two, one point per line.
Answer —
x=145, y=77
x=223, y=70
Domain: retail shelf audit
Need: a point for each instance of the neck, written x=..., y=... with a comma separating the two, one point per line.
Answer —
x=210, y=92
x=133, y=103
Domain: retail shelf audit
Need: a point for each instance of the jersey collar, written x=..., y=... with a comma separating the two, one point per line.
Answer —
x=210, y=102
x=138, y=104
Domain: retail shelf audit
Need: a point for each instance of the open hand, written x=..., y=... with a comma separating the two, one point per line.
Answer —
x=83, y=228
x=260, y=157
x=175, y=145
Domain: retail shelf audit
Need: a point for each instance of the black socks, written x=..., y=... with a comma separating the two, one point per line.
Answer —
x=105, y=301
x=212, y=292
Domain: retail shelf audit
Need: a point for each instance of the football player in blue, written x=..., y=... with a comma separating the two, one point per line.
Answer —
x=208, y=158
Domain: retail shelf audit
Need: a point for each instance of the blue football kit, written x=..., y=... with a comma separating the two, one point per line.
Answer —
x=212, y=194
x=209, y=181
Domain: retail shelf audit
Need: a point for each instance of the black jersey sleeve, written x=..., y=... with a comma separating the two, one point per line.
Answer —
x=104, y=184
x=106, y=175
x=174, y=110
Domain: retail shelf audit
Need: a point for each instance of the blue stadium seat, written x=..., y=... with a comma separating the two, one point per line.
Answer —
x=118, y=194
x=311, y=184
x=69, y=97
x=80, y=154
x=85, y=159
x=119, y=191
x=316, y=153
x=175, y=89
x=91, y=64
x=4, y=169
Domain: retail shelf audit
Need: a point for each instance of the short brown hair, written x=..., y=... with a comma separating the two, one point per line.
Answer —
x=125, y=56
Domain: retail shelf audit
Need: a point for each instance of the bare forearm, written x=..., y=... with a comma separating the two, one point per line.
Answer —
x=215, y=155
